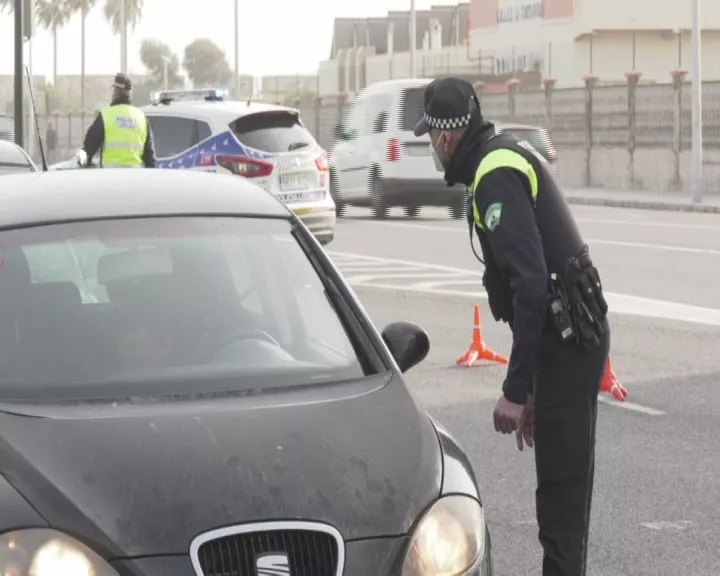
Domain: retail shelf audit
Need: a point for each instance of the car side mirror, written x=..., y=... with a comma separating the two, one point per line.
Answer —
x=408, y=343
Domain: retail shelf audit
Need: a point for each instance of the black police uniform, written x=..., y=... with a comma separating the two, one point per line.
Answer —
x=540, y=280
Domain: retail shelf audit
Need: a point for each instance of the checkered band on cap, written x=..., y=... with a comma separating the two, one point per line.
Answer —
x=447, y=123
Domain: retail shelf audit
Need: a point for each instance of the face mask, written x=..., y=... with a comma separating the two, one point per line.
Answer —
x=438, y=164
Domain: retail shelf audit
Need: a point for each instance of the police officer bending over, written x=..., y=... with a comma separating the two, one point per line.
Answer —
x=120, y=133
x=540, y=280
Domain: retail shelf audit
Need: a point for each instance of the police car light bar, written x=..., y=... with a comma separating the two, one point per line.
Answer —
x=208, y=94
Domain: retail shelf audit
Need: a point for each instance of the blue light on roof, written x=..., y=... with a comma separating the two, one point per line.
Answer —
x=210, y=94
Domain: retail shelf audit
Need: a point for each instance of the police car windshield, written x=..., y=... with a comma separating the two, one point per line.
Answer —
x=274, y=132
x=164, y=306
x=413, y=108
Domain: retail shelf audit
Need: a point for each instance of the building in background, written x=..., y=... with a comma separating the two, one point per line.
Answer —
x=570, y=39
x=288, y=89
x=369, y=50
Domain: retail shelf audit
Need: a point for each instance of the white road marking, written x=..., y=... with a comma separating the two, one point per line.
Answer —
x=591, y=241
x=619, y=303
x=630, y=406
x=457, y=277
x=664, y=525
x=648, y=224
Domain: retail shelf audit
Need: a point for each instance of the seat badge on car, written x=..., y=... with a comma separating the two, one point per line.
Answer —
x=273, y=565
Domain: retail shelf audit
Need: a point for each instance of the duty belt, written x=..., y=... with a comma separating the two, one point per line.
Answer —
x=577, y=303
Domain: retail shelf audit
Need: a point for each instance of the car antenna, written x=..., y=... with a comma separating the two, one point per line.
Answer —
x=37, y=125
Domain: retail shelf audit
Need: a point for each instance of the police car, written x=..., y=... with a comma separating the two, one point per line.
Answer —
x=268, y=144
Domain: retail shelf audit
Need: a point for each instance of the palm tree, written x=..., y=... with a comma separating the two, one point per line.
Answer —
x=53, y=15
x=133, y=12
x=84, y=7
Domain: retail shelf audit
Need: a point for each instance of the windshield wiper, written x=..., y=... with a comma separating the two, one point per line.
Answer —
x=296, y=145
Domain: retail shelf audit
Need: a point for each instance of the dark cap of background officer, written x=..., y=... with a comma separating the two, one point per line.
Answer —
x=122, y=89
x=451, y=107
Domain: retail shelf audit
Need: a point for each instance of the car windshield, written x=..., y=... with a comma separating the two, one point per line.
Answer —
x=273, y=132
x=156, y=306
x=413, y=108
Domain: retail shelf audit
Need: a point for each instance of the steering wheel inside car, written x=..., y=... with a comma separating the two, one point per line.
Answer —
x=251, y=334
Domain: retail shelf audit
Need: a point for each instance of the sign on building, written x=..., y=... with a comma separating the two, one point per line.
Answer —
x=519, y=10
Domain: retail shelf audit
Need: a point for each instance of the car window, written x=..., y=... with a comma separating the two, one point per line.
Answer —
x=354, y=118
x=164, y=305
x=412, y=108
x=274, y=132
x=204, y=130
x=172, y=135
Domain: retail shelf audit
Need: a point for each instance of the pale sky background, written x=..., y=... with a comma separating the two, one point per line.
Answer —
x=276, y=36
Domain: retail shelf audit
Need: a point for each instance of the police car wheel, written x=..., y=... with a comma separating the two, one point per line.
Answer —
x=377, y=191
x=457, y=210
x=412, y=211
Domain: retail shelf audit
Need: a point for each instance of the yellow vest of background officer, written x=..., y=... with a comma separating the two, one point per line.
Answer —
x=126, y=131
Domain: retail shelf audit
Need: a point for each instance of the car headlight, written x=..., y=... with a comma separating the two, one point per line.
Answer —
x=449, y=540
x=44, y=552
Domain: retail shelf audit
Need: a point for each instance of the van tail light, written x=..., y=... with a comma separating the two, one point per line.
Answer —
x=248, y=167
x=322, y=163
x=393, y=152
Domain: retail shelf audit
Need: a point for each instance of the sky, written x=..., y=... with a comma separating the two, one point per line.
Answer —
x=276, y=36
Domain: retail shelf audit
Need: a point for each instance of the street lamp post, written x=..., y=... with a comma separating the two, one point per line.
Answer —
x=123, y=37
x=237, y=53
x=18, y=92
x=697, y=126
x=166, y=62
x=413, y=38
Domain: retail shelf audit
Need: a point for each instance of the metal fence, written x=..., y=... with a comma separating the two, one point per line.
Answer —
x=630, y=117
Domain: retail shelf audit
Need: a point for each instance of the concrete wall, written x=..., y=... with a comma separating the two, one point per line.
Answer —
x=631, y=142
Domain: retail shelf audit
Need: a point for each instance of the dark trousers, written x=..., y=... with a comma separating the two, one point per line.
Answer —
x=567, y=382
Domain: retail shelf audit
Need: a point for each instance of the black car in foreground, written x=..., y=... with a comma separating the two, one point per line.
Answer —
x=189, y=388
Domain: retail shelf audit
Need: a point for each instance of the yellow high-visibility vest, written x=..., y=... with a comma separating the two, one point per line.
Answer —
x=502, y=158
x=126, y=131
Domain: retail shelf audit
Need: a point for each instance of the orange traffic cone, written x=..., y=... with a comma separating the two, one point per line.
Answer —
x=478, y=350
x=610, y=383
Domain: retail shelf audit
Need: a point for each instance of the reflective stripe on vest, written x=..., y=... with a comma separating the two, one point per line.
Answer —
x=125, y=136
x=503, y=158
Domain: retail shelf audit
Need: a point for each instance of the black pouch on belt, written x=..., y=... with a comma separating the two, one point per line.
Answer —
x=587, y=303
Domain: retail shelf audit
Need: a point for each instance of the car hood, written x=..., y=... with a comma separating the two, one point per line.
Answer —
x=146, y=481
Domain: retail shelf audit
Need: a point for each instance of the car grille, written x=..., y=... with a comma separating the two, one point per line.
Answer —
x=309, y=553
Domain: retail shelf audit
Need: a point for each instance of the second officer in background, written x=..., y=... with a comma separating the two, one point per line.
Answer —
x=120, y=134
x=540, y=280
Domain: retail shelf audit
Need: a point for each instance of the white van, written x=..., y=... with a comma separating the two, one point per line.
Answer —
x=378, y=161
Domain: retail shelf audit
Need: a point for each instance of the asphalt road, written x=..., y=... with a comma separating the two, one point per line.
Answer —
x=657, y=495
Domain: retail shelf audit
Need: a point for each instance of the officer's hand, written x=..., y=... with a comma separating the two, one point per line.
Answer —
x=526, y=431
x=507, y=416
x=81, y=157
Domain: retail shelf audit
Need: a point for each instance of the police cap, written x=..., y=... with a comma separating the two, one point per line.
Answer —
x=450, y=103
x=122, y=81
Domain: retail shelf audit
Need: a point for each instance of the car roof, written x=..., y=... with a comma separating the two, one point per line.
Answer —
x=96, y=194
x=393, y=86
x=513, y=126
x=214, y=110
